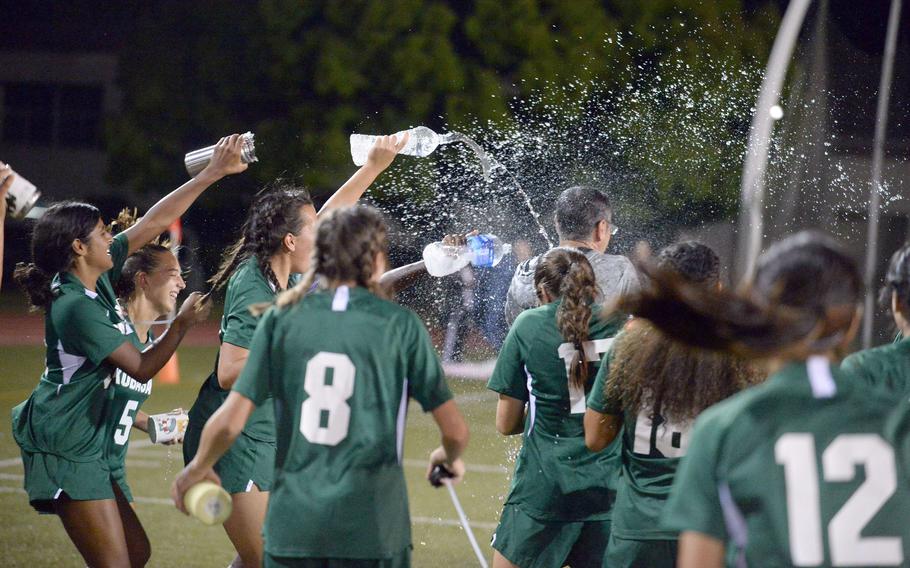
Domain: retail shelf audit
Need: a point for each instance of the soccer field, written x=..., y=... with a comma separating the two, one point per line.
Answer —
x=28, y=539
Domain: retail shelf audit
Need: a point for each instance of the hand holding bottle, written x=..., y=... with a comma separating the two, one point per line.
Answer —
x=384, y=150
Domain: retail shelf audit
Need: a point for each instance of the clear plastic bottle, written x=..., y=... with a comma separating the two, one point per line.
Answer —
x=483, y=251
x=421, y=143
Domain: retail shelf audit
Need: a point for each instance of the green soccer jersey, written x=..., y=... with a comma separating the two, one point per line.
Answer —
x=339, y=368
x=247, y=287
x=556, y=477
x=886, y=367
x=651, y=450
x=127, y=397
x=68, y=413
x=796, y=471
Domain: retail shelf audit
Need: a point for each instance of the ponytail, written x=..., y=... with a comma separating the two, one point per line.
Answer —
x=348, y=241
x=567, y=274
x=804, y=298
x=36, y=283
x=52, y=248
x=274, y=214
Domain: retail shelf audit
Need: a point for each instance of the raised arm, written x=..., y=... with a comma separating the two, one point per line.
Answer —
x=6, y=180
x=381, y=156
x=225, y=161
x=143, y=365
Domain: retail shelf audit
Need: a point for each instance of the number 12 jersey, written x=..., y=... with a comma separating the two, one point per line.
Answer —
x=796, y=471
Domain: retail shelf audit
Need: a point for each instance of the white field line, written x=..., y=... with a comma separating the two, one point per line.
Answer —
x=416, y=520
x=479, y=371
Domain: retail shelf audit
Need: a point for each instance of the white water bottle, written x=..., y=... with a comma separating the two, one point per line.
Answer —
x=421, y=143
x=483, y=251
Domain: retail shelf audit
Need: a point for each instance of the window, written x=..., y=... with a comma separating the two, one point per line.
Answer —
x=49, y=114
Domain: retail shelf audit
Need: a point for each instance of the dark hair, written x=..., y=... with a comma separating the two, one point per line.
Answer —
x=52, y=248
x=805, y=295
x=673, y=380
x=578, y=211
x=146, y=259
x=274, y=213
x=566, y=274
x=897, y=279
x=692, y=260
x=348, y=241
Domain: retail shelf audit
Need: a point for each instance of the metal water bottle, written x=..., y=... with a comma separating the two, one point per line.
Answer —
x=197, y=160
x=21, y=196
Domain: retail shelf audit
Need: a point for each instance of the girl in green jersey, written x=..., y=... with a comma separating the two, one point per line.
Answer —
x=150, y=281
x=64, y=426
x=888, y=367
x=339, y=366
x=558, y=508
x=651, y=388
x=274, y=249
x=794, y=471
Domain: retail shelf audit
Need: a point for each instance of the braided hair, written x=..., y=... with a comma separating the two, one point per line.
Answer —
x=274, y=214
x=348, y=241
x=567, y=274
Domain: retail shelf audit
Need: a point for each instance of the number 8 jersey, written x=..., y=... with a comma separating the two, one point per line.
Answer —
x=340, y=367
x=796, y=471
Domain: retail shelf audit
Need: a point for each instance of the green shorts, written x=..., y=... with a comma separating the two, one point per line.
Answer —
x=529, y=542
x=118, y=475
x=248, y=462
x=47, y=477
x=628, y=553
x=400, y=560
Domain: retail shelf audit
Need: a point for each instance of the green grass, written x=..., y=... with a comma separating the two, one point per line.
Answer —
x=29, y=539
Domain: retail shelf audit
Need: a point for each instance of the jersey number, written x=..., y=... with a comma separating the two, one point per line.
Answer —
x=329, y=383
x=593, y=350
x=122, y=433
x=796, y=452
x=653, y=438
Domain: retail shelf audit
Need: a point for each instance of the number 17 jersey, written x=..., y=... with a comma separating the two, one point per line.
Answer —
x=340, y=367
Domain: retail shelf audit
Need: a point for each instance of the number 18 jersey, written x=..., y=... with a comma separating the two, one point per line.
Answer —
x=796, y=471
x=340, y=368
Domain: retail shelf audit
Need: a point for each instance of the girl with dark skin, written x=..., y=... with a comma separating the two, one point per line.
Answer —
x=64, y=425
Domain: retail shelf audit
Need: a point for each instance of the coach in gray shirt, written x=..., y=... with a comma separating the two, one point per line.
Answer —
x=584, y=221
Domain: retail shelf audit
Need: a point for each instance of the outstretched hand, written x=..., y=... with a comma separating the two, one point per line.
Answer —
x=458, y=240
x=195, y=309
x=384, y=151
x=6, y=181
x=226, y=159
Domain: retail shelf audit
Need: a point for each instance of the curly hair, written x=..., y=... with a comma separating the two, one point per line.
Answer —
x=348, y=241
x=566, y=274
x=803, y=300
x=274, y=214
x=649, y=370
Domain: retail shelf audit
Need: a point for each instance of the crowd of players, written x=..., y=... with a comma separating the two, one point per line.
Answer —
x=666, y=420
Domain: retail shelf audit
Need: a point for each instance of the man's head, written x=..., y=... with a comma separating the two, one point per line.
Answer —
x=584, y=214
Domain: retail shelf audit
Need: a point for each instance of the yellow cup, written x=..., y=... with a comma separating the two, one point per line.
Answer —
x=208, y=502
